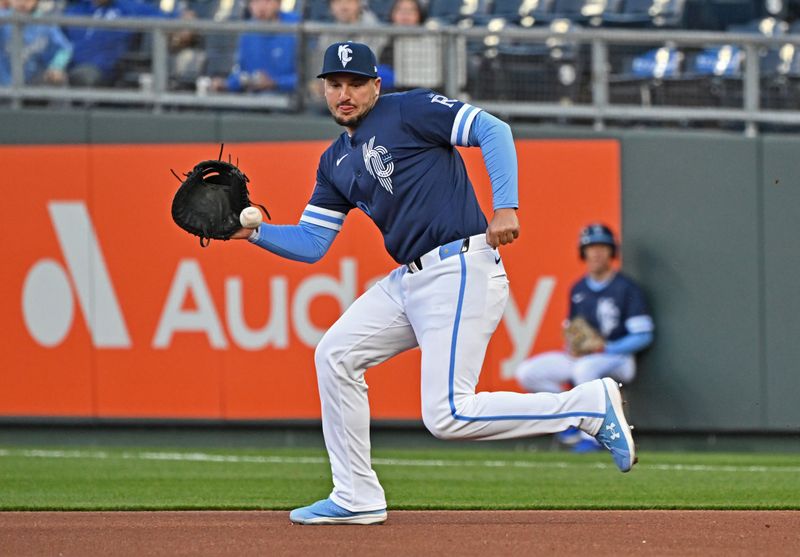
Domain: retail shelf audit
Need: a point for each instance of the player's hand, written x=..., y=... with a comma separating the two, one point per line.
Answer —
x=504, y=227
x=242, y=234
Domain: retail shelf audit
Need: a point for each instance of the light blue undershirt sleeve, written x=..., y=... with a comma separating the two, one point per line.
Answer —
x=629, y=343
x=300, y=242
x=494, y=138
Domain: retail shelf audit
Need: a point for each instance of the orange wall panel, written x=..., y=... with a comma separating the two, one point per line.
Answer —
x=163, y=328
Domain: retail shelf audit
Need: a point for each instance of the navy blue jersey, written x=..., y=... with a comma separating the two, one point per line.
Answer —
x=617, y=310
x=402, y=169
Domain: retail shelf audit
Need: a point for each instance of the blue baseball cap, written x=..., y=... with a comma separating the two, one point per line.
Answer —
x=349, y=57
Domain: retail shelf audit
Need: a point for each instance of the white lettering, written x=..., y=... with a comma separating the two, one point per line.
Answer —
x=274, y=333
x=87, y=267
x=48, y=305
x=441, y=99
x=344, y=291
x=189, y=280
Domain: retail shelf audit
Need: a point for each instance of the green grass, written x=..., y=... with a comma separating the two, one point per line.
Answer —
x=94, y=479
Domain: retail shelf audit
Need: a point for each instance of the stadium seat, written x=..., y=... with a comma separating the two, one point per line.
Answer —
x=712, y=76
x=453, y=11
x=525, y=71
x=645, y=13
x=317, y=10
x=578, y=11
x=582, y=12
x=778, y=65
x=382, y=9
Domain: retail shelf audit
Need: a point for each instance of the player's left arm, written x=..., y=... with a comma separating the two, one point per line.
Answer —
x=494, y=138
x=638, y=324
x=629, y=344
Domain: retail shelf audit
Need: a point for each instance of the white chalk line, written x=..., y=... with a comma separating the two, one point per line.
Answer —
x=432, y=463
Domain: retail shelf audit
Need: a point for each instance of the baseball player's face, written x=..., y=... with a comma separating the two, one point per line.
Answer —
x=351, y=97
x=598, y=259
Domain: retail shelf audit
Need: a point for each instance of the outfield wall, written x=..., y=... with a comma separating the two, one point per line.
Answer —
x=708, y=221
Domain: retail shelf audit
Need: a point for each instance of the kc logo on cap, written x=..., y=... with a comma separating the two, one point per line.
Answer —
x=349, y=57
x=345, y=54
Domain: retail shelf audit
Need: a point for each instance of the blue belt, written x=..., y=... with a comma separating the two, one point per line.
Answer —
x=438, y=254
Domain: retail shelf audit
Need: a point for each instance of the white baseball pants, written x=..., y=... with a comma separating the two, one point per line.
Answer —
x=449, y=309
x=547, y=372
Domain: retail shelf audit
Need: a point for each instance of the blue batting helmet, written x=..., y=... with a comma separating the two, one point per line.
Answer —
x=597, y=233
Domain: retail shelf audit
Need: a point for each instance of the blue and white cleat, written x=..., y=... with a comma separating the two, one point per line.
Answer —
x=615, y=433
x=570, y=436
x=328, y=512
x=588, y=445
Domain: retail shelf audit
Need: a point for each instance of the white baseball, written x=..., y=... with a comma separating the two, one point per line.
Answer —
x=250, y=217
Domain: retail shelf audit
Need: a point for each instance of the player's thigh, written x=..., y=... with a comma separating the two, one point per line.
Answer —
x=548, y=368
x=464, y=302
x=620, y=367
x=373, y=329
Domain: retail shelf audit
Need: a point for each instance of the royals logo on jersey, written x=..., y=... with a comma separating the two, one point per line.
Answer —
x=607, y=315
x=378, y=161
x=391, y=167
x=616, y=310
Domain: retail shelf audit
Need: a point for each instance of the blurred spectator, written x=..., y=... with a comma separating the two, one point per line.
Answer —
x=264, y=62
x=411, y=61
x=97, y=52
x=187, y=56
x=193, y=56
x=46, y=51
x=404, y=13
x=220, y=48
x=407, y=12
x=5, y=5
x=351, y=12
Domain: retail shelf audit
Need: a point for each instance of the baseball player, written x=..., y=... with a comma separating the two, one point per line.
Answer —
x=612, y=304
x=396, y=161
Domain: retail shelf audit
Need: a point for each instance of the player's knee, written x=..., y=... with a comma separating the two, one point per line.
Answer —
x=441, y=423
x=325, y=356
x=526, y=376
x=530, y=378
x=586, y=370
x=521, y=373
x=442, y=430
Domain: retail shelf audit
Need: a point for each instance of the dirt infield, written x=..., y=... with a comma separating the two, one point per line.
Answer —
x=407, y=533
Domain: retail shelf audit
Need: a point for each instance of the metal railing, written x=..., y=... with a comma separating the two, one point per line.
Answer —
x=480, y=45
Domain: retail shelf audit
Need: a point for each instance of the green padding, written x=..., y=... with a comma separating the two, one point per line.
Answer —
x=781, y=193
x=144, y=127
x=244, y=128
x=43, y=126
x=691, y=234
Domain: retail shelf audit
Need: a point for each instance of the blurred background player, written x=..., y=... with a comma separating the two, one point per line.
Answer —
x=615, y=306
